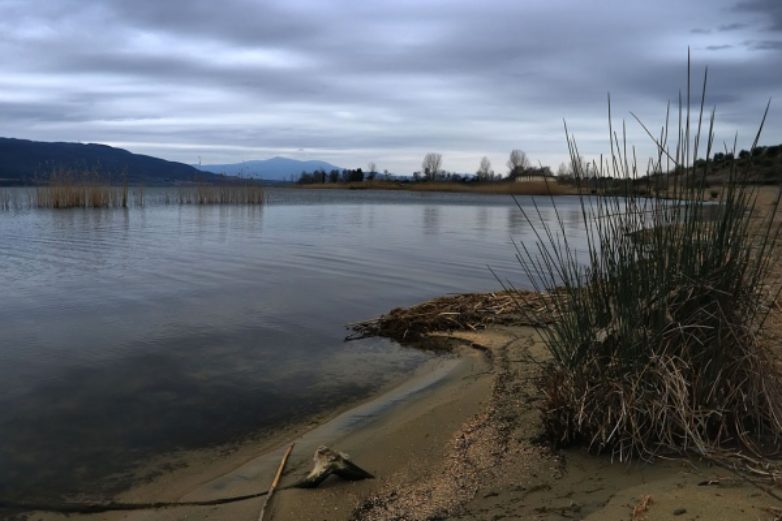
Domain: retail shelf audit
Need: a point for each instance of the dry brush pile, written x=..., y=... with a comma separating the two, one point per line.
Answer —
x=471, y=311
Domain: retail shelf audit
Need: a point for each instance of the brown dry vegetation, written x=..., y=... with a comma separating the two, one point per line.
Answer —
x=86, y=191
x=463, y=312
x=68, y=190
x=220, y=194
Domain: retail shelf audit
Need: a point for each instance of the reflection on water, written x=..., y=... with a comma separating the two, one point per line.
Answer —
x=431, y=220
x=130, y=333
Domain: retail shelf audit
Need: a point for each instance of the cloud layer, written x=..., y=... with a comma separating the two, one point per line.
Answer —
x=353, y=82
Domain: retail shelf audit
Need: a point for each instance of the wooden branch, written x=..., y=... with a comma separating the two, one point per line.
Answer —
x=328, y=462
x=276, y=481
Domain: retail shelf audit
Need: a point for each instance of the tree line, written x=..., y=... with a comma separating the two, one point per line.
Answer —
x=518, y=165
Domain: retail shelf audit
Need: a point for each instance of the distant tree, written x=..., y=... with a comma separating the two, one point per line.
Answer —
x=319, y=176
x=306, y=178
x=334, y=176
x=355, y=176
x=416, y=176
x=564, y=171
x=431, y=165
x=371, y=170
x=485, y=173
x=386, y=174
x=517, y=163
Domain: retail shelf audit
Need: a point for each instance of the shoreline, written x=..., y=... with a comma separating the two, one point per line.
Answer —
x=456, y=441
x=210, y=474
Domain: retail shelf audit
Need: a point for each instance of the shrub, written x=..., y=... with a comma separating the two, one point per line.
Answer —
x=656, y=350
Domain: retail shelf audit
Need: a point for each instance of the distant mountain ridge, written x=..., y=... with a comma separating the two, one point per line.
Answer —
x=23, y=161
x=274, y=169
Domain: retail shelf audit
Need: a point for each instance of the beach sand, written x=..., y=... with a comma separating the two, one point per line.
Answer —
x=457, y=441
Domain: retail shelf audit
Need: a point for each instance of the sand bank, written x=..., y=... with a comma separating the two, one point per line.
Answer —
x=457, y=442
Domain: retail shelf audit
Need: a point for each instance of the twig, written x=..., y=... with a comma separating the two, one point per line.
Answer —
x=276, y=481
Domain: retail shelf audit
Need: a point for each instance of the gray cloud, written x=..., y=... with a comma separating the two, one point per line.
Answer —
x=770, y=10
x=383, y=81
x=765, y=45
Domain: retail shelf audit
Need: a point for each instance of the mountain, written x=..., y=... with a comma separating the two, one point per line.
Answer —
x=274, y=169
x=24, y=161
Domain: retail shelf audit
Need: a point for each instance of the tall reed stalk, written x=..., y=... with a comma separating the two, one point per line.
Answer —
x=221, y=194
x=656, y=350
x=67, y=190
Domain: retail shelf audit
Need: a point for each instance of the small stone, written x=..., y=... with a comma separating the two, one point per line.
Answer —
x=679, y=511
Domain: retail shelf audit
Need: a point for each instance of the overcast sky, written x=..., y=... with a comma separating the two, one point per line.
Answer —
x=385, y=81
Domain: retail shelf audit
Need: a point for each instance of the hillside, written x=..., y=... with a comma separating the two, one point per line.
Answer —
x=23, y=162
x=762, y=166
x=274, y=169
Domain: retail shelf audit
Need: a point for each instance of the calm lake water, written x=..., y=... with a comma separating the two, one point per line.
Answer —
x=126, y=334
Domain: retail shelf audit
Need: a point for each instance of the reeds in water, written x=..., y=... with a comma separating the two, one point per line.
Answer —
x=65, y=190
x=220, y=194
x=6, y=200
x=656, y=351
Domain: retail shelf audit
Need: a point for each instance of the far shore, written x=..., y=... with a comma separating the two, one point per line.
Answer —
x=508, y=187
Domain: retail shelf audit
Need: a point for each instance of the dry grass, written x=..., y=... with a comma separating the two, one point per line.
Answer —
x=79, y=191
x=220, y=194
x=471, y=311
x=67, y=190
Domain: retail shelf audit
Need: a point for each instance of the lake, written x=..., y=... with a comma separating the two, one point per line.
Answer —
x=127, y=334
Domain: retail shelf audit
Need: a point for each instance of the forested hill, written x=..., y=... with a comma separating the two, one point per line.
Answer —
x=23, y=162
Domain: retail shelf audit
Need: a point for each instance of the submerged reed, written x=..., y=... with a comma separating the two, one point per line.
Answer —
x=220, y=194
x=66, y=190
x=656, y=350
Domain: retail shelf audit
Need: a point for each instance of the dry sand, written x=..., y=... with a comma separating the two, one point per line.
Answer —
x=457, y=442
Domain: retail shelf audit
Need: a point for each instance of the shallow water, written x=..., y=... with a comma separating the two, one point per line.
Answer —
x=126, y=334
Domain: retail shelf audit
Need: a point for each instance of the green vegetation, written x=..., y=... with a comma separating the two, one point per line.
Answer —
x=656, y=350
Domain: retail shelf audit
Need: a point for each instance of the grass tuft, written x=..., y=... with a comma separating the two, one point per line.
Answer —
x=657, y=350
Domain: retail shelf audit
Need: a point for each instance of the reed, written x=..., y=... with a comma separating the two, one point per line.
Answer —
x=68, y=190
x=657, y=351
x=6, y=199
x=246, y=194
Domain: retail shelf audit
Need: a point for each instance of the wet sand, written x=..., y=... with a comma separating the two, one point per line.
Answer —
x=456, y=442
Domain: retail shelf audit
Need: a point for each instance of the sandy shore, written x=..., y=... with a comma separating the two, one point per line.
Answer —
x=454, y=442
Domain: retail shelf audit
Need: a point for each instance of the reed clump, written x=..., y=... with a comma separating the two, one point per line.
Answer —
x=6, y=199
x=220, y=194
x=68, y=190
x=656, y=348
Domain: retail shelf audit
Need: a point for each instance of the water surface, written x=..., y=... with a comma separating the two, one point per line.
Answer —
x=130, y=333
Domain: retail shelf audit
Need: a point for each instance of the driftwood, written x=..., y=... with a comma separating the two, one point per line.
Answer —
x=471, y=311
x=328, y=462
x=276, y=481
